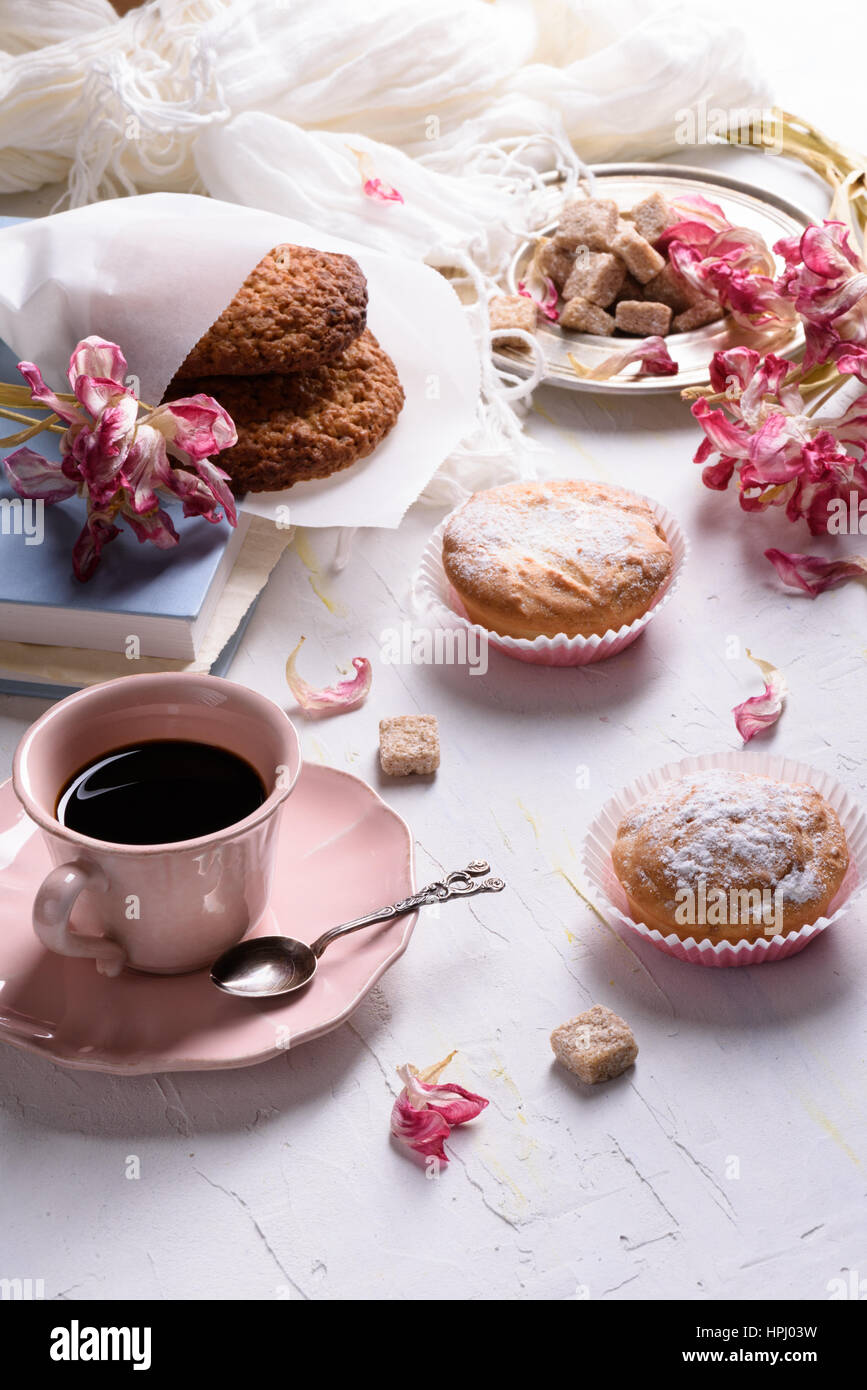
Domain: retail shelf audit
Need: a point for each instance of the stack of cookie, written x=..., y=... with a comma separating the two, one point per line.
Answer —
x=291, y=359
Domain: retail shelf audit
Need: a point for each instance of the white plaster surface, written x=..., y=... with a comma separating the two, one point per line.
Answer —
x=732, y=1161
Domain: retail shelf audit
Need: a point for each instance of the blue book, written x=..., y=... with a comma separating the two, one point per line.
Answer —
x=45, y=690
x=164, y=598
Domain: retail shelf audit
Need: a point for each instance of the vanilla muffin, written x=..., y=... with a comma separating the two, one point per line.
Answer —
x=730, y=856
x=537, y=559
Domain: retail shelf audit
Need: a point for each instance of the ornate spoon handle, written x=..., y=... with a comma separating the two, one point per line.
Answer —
x=462, y=883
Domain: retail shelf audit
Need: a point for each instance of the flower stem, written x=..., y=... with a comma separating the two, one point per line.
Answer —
x=841, y=168
x=36, y=426
x=824, y=396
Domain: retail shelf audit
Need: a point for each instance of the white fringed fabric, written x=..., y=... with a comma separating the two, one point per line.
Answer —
x=459, y=105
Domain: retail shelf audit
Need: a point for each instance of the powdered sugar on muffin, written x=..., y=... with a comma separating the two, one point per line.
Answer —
x=726, y=832
x=567, y=556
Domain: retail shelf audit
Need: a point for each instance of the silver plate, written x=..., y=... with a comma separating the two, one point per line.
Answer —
x=745, y=206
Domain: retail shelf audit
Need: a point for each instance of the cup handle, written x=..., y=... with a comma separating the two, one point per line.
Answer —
x=52, y=909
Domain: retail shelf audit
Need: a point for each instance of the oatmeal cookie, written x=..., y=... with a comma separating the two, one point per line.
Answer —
x=298, y=309
x=307, y=424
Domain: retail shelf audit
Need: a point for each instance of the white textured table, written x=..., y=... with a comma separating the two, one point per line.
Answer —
x=730, y=1161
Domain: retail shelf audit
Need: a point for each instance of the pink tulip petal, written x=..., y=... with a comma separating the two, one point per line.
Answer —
x=701, y=208
x=729, y=436
x=42, y=395
x=196, y=424
x=852, y=358
x=717, y=475
x=335, y=699
x=420, y=1130
x=382, y=192
x=688, y=233
x=100, y=450
x=35, y=477
x=95, y=535
x=776, y=450
x=545, y=299
x=204, y=492
x=453, y=1102
x=761, y=711
x=732, y=371
x=426, y=1111
x=97, y=358
x=824, y=304
x=371, y=185
x=218, y=483
x=825, y=250
x=697, y=221
x=204, y=488
x=96, y=394
x=146, y=467
x=814, y=575
x=851, y=426
x=156, y=526
x=651, y=353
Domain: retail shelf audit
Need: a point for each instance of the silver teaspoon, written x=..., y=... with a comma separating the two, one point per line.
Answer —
x=272, y=965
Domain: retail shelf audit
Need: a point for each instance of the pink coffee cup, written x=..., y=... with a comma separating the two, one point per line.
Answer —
x=164, y=908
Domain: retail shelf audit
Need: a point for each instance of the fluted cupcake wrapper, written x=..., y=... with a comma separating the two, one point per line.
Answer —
x=606, y=890
x=436, y=601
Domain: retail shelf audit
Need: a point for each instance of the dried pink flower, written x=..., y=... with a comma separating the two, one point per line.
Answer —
x=420, y=1129
x=761, y=711
x=731, y=265
x=783, y=456
x=122, y=460
x=425, y=1113
x=827, y=283
x=812, y=574
x=334, y=699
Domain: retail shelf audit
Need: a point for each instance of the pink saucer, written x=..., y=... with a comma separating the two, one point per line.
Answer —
x=341, y=852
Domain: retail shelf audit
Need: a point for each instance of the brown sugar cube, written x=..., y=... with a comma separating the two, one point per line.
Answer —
x=563, y=243
x=556, y=262
x=651, y=216
x=597, y=1045
x=623, y=229
x=697, y=315
x=512, y=311
x=630, y=289
x=637, y=254
x=589, y=222
x=642, y=317
x=670, y=288
x=583, y=317
x=409, y=743
x=596, y=276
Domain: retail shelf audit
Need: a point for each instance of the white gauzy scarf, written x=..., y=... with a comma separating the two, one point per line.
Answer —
x=291, y=105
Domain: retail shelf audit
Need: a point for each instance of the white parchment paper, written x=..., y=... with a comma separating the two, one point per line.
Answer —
x=152, y=273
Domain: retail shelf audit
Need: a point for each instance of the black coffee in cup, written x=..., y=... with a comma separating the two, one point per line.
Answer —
x=160, y=792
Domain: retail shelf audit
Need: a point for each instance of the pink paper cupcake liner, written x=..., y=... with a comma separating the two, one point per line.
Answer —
x=438, y=604
x=606, y=889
